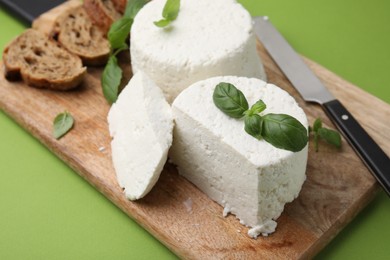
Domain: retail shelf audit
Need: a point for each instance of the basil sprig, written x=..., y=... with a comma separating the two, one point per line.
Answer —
x=117, y=35
x=328, y=135
x=280, y=130
x=62, y=124
x=169, y=13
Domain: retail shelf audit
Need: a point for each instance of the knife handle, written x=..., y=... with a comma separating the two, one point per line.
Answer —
x=372, y=155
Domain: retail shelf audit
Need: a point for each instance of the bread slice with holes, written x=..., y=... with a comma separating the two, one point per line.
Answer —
x=71, y=26
x=75, y=32
x=41, y=62
x=45, y=22
x=102, y=13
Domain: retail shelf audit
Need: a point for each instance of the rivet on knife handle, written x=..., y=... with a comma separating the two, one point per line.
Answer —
x=366, y=148
x=312, y=90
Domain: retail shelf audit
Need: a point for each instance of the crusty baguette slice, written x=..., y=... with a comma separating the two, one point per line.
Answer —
x=102, y=13
x=41, y=62
x=71, y=26
x=45, y=22
x=75, y=32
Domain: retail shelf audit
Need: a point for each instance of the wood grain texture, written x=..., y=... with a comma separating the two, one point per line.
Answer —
x=338, y=185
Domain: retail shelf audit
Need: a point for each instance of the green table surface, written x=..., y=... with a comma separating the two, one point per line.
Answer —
x=48, y=212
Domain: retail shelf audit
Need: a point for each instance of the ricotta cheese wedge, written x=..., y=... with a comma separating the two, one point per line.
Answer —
x=141, y=124
x=250, y=178
x=208, y=38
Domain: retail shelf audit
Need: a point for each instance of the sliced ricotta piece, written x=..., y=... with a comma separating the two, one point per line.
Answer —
x=141, y=124
x=208, y=38
x=250, y=178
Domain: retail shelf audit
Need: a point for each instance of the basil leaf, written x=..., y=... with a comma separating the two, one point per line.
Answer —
x=133, y=7
x=317, y=124
x=119, y=31
x=170, y=13
x=284, y=131
x=230, y=100
x=330, y=136
x=171, y=9
x=111, y=78
x=257, y=108
x=253, y=125
x=62, y=123
x=162, y=23
x=123, y=47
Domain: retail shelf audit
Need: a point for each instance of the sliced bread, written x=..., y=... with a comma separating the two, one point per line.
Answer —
x=71, y=26
x=102, y=13
x=41, y=62
x=75, y=31
x=45, y=22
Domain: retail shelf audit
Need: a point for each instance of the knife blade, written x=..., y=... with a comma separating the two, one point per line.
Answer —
x=313, y=90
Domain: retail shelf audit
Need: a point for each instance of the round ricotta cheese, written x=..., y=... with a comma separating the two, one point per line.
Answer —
x=209, y=38
x=250, y=178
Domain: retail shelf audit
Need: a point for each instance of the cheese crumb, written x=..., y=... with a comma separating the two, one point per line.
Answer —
x=265, y=229
x=226, y=210
x=188, y=204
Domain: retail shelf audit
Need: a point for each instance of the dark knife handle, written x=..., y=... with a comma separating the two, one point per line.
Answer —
x=373, y=156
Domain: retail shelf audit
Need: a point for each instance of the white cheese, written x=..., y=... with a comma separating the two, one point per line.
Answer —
x=140, y=124
x=209, y=38
x=252, y=179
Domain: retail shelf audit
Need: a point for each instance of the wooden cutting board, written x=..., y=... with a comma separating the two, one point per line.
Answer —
x=338, y=184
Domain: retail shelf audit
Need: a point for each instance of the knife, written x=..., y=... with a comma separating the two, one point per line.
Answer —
x=312, y=90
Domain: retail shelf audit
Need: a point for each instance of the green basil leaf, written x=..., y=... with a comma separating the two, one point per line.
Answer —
x=62, y=123
x=257, y=108
x=171, y=9
x=119, y=31
x=317, y=124
x=111, y=79
x=121, y=48
x=253, y=125
x=170, y=13
x=284, y=131
x=230, y=100
x=162, y=23
x=330, y=136
x=133, y=7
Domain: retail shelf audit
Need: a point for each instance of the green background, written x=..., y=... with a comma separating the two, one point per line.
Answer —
x=48, y=212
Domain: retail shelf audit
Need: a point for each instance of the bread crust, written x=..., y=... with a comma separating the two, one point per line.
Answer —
x=120, y=5
x=41, y=62
x=72, y=27
x=45, y=22
x=75, y=31
x=102, y=13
